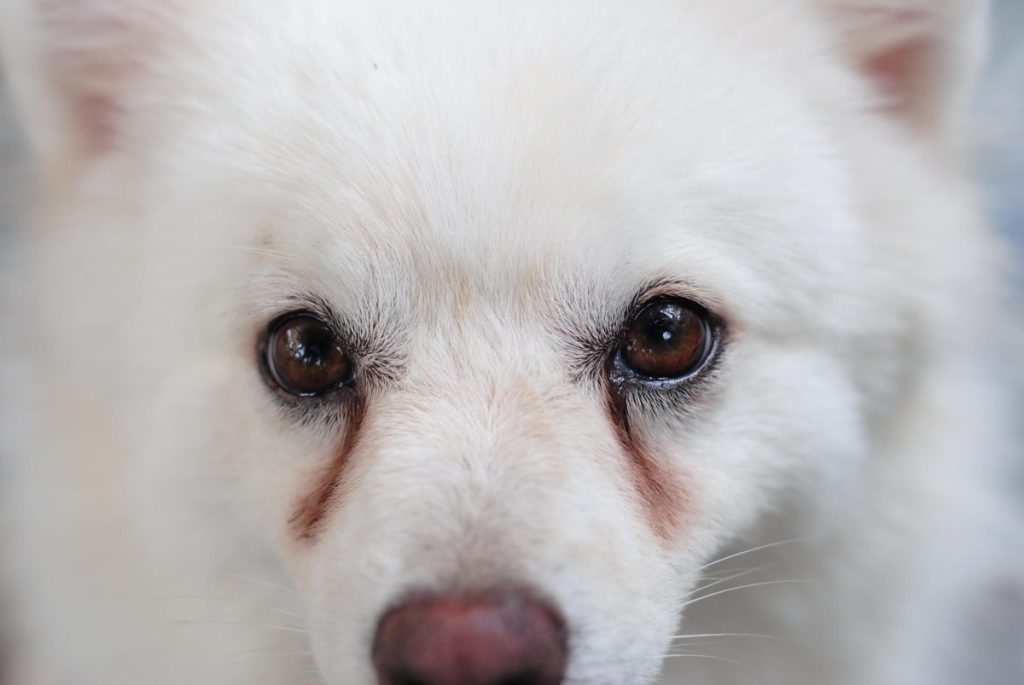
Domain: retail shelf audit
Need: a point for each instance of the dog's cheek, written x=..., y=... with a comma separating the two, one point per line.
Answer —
x=217, y=462
x=788, y=434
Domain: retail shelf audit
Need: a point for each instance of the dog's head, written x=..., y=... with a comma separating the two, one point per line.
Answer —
x=494, y=323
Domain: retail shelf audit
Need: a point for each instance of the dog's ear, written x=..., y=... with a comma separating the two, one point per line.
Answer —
x=71, y=66
x=921, y=56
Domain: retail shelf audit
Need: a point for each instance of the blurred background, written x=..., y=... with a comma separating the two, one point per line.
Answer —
x=1000, y=115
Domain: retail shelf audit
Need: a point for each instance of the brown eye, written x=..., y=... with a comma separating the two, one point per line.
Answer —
x=667, y=339
x=304, y=357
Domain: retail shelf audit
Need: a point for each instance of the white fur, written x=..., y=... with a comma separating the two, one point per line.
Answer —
x=476, y=180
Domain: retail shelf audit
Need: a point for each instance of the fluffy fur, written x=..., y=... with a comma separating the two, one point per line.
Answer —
x=476, y=188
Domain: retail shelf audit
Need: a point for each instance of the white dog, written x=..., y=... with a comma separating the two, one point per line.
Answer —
x=488, y=343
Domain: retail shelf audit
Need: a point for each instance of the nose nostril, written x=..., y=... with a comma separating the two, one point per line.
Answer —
x=506, y=638
x=406, y=679
x=527, y=678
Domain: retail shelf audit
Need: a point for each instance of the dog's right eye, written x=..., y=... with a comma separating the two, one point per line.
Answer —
x=669, y=339
x=304, y=357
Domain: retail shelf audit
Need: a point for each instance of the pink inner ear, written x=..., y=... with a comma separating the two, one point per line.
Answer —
x=913, y=52
x=96, y=117
x=901, y=74
x=93, y=56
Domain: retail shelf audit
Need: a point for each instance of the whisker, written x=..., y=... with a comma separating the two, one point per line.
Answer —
x=267, y=583
x=762, y=583
x=751, y=550
x=709, y=656
x=267, y=653
x=186, y=598
x=235, y=622
x=285, y=612
x=241, y=618
x=733, y=576
x=751, y=635
x=696, y=644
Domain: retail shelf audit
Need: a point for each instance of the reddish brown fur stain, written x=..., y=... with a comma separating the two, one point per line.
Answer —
x=313, y=508
x=659, y=487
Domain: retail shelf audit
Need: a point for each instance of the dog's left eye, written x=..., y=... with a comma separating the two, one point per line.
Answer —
x=304, y=357
x=668, y=339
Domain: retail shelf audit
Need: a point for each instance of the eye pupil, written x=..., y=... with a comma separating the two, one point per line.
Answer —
x=306, y=346
x=304, y=357
x=667, y=339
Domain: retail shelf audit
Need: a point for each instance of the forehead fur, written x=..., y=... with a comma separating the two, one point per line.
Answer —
x=595, y=142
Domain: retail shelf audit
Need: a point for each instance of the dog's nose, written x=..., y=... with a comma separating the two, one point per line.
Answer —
x=501, y=638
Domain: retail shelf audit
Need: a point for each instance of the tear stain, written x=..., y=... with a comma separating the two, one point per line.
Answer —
x=313, y=508
x=659, y=488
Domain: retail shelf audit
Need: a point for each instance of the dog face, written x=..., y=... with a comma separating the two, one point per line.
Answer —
x=514, y=313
